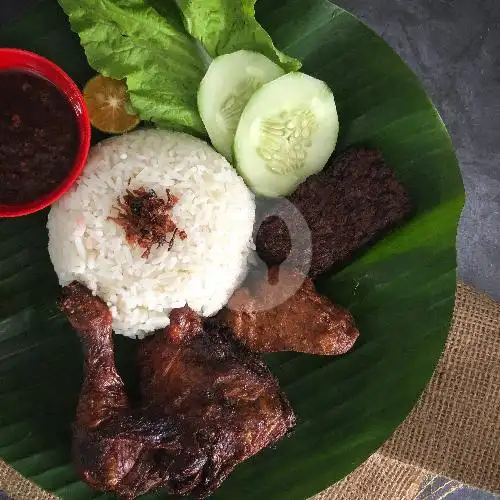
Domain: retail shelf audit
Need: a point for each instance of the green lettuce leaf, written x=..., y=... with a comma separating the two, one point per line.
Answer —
x=225, y=26
x=128, y=39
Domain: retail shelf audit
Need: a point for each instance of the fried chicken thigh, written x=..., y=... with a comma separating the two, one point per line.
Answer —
x=207, y=405
x=281, y=311
x=224, y=393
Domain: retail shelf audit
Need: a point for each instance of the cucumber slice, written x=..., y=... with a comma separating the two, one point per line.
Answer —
x=225, y=90
x=287, y=132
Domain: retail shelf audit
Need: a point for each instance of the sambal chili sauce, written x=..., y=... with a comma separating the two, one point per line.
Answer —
x=38, y=137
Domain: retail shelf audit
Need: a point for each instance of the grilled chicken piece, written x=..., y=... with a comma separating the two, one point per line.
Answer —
x=283, y=312
x=349, y=204
x=207, y=405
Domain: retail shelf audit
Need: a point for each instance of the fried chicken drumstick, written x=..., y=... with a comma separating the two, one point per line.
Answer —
x=281, y=311
x=207, y=405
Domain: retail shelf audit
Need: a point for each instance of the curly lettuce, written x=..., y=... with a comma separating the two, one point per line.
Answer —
x=129, y=39
x=225, y=26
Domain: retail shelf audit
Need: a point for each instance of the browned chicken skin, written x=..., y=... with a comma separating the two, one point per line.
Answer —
x=283, y=312
x=207, y=404
x=226, y=394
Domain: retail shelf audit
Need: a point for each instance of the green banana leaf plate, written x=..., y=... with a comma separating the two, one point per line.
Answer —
x=401, y=291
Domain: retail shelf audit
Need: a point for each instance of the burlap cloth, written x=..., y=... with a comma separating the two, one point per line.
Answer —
x=454, y=430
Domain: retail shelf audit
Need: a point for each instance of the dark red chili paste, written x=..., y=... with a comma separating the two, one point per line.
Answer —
x=38, y=137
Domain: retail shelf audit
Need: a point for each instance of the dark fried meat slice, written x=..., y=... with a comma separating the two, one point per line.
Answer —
x=207, y=404
x=349, y=204
x=283, y=312
x=221, y=390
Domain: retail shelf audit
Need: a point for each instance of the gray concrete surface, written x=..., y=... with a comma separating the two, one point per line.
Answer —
x=454, y=46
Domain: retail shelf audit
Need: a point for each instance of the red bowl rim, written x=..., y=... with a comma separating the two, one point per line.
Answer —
x=35, y=63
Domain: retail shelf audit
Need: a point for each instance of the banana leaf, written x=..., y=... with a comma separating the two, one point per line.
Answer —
x=401, y=291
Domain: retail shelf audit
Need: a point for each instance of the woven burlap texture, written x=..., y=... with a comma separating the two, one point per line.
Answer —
x=20, y=488
x=379, y=478
x=454, y=430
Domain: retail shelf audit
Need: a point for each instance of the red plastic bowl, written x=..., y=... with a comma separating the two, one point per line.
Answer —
x=11, y=59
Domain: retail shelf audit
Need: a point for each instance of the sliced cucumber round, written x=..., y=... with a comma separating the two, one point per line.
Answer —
x=286, y=133
x=225, y=90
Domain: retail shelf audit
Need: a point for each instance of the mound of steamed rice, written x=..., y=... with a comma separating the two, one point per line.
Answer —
x=215, y=208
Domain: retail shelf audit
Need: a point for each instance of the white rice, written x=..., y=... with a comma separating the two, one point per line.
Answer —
x=215, y=208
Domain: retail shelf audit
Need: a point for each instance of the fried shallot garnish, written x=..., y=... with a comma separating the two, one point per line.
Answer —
x=147, y=220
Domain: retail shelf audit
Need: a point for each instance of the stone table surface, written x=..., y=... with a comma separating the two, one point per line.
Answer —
x=454, y=47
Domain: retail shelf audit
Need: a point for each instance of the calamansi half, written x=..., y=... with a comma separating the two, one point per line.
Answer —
x=108, y=104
